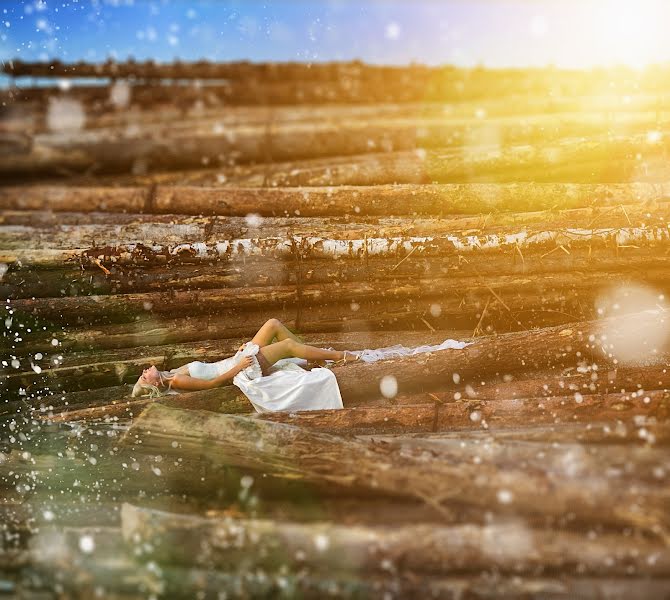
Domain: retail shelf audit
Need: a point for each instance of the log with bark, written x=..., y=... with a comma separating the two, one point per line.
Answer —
x=289, y=451
x=465, y=232
x=85, y=370
x=598, y=159
x=477, y=415
x=629, y=340
x=288, y=249
x=380, y=200
x=456, y=297
x=58, y=560
x=508, y=547
x=98, y=278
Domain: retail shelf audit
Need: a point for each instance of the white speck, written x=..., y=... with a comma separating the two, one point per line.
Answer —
x=392, y=31
x=321, y=541
x=456, y=377
x=654, y=137
x=86, y=544
x=38, y=356
x=253, y=220
x=246, y=481
x=435, y=310
x=504, y=496
x=388, y=386
x=579, y=398
x=54, y=342
x=538, y=26
x=475, y=416
x=48, y=515
x=36, y=368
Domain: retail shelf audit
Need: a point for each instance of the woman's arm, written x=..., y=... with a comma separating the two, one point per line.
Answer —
x=188, y=383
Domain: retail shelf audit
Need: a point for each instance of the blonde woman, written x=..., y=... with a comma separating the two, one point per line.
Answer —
x=255, y=359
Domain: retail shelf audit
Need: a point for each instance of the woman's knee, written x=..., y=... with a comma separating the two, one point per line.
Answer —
x=274, y=323
x=290, y=344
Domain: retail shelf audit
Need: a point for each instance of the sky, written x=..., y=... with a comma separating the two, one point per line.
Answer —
x=492, y=33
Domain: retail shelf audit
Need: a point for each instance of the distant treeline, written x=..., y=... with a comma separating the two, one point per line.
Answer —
x=280, y=83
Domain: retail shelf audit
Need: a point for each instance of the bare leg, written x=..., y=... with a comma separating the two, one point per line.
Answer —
x=271, y=329
x=289, y=348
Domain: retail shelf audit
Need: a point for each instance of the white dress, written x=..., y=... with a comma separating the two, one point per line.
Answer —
x=289, y=387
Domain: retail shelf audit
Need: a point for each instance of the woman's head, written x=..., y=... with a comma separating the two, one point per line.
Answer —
x=149, y=383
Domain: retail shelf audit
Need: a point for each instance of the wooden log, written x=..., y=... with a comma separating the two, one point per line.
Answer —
x=518, y=292
x=241, y=232
x=410, y=168
x=85, y=370
x=641, y=432
x=293, y=248
x=644, y=209
x=383, y=200
x=584, y=380
x=474, y=414
x=510, y=547
x=28, y=282
x=107, y=151
x=563, y=345
x=451, y=160
x=156, y=331
x=293, y=451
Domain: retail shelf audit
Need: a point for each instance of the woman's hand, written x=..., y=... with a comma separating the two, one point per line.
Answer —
x=247, y=361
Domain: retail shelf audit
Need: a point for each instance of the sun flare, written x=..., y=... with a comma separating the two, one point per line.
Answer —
x=627, y=32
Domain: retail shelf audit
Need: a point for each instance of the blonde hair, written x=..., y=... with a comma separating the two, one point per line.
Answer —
x=142, y=388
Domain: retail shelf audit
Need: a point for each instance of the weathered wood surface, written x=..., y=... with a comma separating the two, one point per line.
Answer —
x=380, y=200
x=508, y=547
x=292, y=451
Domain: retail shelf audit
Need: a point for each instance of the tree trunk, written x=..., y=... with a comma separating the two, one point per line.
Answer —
x=520, y=294
x=291, y=451
x=380, y=200
x=631, y=340
x=478, y=415
x=257, y=543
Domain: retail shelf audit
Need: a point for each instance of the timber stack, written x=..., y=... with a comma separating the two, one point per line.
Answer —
x=150, y=222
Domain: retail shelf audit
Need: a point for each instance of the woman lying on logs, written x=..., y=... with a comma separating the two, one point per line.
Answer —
x=256, y=356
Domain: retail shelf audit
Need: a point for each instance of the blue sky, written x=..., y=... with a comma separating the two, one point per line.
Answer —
x=496, y=33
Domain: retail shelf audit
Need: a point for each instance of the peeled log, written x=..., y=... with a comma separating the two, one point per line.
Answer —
x=258, y=543
x=286, y=450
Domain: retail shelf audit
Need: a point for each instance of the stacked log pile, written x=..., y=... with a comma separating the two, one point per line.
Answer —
x=531, y=463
